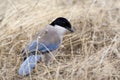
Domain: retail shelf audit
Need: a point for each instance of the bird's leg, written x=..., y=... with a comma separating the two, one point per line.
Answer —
x=47, y=59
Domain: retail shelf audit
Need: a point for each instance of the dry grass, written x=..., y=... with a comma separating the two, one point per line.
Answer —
x=91, y=53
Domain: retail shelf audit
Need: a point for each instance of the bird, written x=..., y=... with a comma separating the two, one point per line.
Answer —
x=47, y=40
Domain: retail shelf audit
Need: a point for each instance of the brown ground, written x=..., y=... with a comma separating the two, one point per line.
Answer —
x=91, y=53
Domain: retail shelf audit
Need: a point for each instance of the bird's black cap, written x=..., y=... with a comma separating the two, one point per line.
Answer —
x=63, y=22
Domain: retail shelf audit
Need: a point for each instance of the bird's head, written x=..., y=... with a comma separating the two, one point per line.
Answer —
x=62, y=22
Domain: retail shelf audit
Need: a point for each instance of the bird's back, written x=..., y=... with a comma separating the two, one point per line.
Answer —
x=47, y=40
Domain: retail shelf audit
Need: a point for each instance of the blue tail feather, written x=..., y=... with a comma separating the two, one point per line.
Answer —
x=27, y=66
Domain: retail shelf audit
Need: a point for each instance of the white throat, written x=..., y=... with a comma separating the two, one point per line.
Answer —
x=60, y=30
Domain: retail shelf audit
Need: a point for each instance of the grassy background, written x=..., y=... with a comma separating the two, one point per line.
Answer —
x=91, y=53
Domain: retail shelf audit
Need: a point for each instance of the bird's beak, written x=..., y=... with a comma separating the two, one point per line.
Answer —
x=71, y=29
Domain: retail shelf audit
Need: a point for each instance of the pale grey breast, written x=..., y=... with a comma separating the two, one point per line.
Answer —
x=49, y=36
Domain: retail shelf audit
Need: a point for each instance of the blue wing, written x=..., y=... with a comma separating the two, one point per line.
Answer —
x=42, y=47
x=27, y=66
x=30, y=62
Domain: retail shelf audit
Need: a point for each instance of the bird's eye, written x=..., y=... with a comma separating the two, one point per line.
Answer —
x=63, y=22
